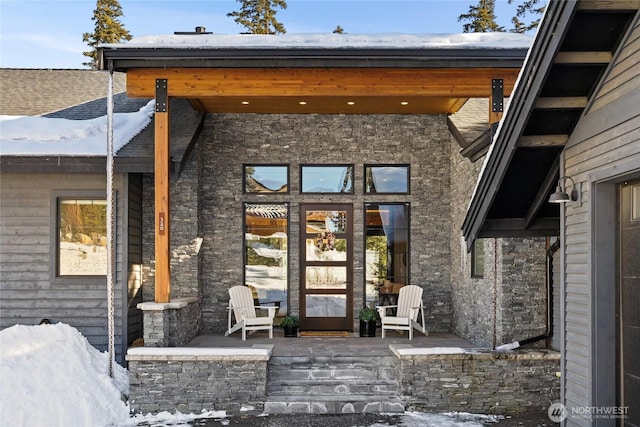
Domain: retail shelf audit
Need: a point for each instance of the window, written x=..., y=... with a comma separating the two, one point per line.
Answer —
x=81, y=237
x=477, y=259
x=266, y=253
x=387, y=247
x=389, y=179
x=327, y=179
x=266, y=179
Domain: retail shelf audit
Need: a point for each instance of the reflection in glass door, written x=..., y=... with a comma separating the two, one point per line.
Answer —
x=326, y=267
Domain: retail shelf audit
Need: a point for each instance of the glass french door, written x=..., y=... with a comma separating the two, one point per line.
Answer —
x=326, y=267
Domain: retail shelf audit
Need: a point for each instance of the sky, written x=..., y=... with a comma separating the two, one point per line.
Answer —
x=48, y=33
x=52, y=376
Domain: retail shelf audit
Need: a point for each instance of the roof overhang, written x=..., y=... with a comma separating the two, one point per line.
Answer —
x=325, y=80
x=574, y=46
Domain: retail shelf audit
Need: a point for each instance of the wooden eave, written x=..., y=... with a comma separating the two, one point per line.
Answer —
x=322, y=90
x=316, y=80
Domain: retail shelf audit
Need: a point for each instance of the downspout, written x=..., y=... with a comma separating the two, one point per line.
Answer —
x=551, y=250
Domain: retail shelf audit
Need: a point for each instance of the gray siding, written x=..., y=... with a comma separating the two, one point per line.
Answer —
x=29, y=292
x=603, y=149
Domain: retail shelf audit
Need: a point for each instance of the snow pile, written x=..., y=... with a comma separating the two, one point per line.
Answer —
x=52, y=136
x=52, y=376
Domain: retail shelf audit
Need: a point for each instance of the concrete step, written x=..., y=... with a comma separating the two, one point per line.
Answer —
x=332, y=385
x=332, y=404
x=343, y=387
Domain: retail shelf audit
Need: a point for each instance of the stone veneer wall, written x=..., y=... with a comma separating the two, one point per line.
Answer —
x=193, y=380
x=230, y=140
x=472, y=297
x=522, y=297
x=513, y=289
x=485, y=383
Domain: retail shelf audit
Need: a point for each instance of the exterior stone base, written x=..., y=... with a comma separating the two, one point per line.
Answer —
x=183, y=379
x=191, y=379
x=483, y=382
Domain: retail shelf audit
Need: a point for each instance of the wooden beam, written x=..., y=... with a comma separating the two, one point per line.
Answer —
x=543, y=141
x=162, y=169
x=562, y=102
x=320, y=82
x=583, y=58
x=543, y=192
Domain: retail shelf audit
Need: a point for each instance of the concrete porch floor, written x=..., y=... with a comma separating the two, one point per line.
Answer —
x=335, y=346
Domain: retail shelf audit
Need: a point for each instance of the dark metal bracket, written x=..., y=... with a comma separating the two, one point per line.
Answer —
x=497, y=95
x=161, y=95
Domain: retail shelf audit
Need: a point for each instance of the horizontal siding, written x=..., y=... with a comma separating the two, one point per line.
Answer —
x=625, y=76
x=602, y=139
x=27, y=291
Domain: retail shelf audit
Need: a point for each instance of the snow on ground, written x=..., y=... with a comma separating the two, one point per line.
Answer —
x=51, y=376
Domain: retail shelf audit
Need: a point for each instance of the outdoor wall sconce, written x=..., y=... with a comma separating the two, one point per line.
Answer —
x=561, y=196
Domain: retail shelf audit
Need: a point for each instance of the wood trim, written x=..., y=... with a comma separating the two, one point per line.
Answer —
x=310, y=82
x=562, y=102
x=583, y=57
x=543, y=140
x=609, y=4
x=162, y=229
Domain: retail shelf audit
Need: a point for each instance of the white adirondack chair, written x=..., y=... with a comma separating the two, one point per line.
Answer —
x=406, y=317
x=244, y=311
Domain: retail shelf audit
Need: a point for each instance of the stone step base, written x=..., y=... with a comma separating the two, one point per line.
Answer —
x=328, y=387
x=332, y=404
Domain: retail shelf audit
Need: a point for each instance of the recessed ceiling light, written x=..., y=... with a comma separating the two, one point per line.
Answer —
x=404, y=103
x=351, y=103
x=245, y=102
x=302, y=102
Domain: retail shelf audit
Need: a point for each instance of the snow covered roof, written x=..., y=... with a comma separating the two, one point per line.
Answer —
x=34, y=136
x=332, y=41
x=321, y=50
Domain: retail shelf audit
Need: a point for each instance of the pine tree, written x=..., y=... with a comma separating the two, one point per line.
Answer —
x=107, y=29
x=259, y=16
x=481, y=17
x=338, y=30
x=528, y=6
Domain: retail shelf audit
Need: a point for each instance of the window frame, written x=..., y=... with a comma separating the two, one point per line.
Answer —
x=366, y=206
x=474, y=254
x=407, y=166
x=244, y=177
x=54, y=226
x=288, y=257
x=325, y=165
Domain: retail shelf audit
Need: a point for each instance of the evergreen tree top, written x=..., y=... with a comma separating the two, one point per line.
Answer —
x=107, y=29
x=259, y=16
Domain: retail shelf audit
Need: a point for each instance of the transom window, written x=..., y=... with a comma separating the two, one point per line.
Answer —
x=266, y=178
x=390, y=179
x=326, y=179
